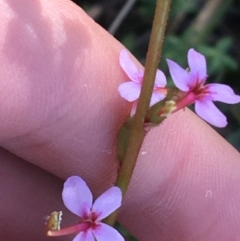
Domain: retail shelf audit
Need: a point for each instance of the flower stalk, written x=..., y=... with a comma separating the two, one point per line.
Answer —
x=69, y=230
x=137, y=130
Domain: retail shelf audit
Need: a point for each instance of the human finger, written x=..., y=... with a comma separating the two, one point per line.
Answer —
x=75, y=134
x=28, y=195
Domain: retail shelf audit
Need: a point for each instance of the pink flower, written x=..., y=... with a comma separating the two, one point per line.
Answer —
x=131, y=90
x=78, y=198
x=192, y=81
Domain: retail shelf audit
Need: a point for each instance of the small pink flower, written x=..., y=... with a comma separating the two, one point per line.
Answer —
x=131, y=90
x=192, y=81
x=78, y=198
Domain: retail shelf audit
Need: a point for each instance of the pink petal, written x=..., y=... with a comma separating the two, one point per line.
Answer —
x=129, y=91
x=129, y=67
x=210, y=113
x=156, y=97
x=106, y=233
x=197, y=64
x=107, y=203
x=160, y=80
x=134, y=108
x=223, y=93
x=76, y=196
x=84, y=236
x=180, y=76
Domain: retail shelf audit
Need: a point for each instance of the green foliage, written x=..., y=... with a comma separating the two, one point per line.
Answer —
x=183, y=6
x=129, y=41
x=218, y=60
x=146, y=8
x=218, y=57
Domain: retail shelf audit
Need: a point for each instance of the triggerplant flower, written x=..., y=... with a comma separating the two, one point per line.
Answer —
x=131, y=90
x=191, y=82
x=78, y=198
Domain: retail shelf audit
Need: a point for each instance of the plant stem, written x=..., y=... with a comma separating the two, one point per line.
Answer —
x=137, y=132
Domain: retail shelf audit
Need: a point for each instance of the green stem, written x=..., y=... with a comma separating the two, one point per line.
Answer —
x=138, y=133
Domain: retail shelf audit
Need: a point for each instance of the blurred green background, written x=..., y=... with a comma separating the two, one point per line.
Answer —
x=212, y=27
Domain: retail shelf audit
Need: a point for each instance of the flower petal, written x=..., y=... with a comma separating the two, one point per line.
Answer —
x=129, y=91
x=160, y=80
x=180, y=76
x=129, y=67
x=210, y=113
x=197, y=64
x=76, y=196
x=156, y=97
x=107, y=203
x=134, y=108
x=107, y=233
x=223, y=93
x=84, y=236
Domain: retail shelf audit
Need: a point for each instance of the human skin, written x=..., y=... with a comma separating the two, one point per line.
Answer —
x=60, y=113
